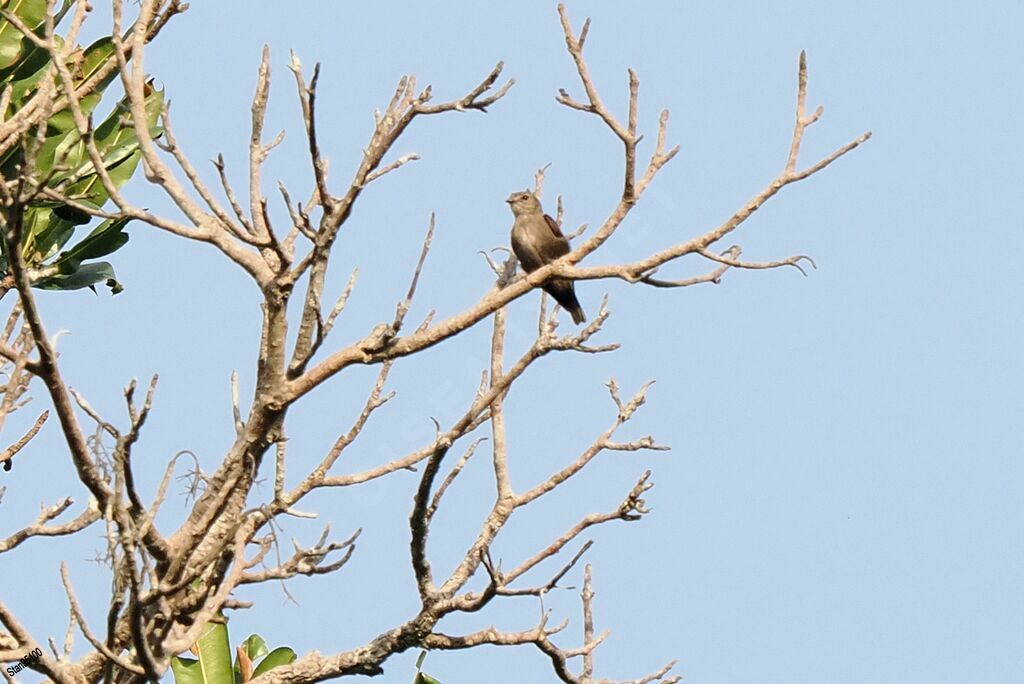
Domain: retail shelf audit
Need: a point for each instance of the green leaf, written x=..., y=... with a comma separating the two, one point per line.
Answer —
x=187, y=671
x=255, y=648
x=120, y=163
x=215, y=654
x=279, y=656
x=214, y=664
x=154, y=108
x=26, y=74
x=87, y=275
x=33, y=222
x=114, y=126
x=117, y=130
x=95, y=56
x=12, y=42
x=65, y=148
x=51, y=238
x=117, y=140
x=44, y=233
x=120, y=168
x=59, y=16
x=31, y=12
x=64, y=120
x=424, y=678
x=92, y=60
x=106, y=238
x=74, y=214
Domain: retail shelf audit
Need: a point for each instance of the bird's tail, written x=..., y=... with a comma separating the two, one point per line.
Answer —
x=565, y=295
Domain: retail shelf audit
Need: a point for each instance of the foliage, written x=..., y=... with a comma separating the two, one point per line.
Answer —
x=421, y=676
x=57, y=157
x=213, y=664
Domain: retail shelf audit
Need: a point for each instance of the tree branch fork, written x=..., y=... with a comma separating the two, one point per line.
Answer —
x=167, y=586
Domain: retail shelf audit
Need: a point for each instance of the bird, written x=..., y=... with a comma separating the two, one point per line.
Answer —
x=537, y=241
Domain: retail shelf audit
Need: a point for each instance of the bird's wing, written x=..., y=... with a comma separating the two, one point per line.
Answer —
x=557, y=247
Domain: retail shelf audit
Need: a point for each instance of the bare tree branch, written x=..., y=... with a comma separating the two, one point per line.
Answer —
x=8, y=454
x=165, y=588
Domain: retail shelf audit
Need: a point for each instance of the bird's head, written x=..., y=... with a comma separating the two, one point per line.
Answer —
x=524, y=202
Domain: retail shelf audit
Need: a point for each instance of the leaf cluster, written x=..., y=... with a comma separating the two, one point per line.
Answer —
x=55, y=155
x=213, y=663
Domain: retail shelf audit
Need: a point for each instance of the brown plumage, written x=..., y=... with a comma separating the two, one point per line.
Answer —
x=536, y=241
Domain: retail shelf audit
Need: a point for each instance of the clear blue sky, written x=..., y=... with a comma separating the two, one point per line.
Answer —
x=843, y=498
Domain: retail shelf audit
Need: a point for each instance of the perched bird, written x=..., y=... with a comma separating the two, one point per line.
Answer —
x=537, y=241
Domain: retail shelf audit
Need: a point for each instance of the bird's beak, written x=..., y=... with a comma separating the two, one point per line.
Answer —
x=509, y=200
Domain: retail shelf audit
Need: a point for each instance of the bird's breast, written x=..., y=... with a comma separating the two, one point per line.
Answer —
x=526, y=245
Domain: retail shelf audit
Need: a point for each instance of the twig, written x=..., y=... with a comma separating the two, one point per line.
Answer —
x=40, y=529
x=403, y=306
x=8, y=454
